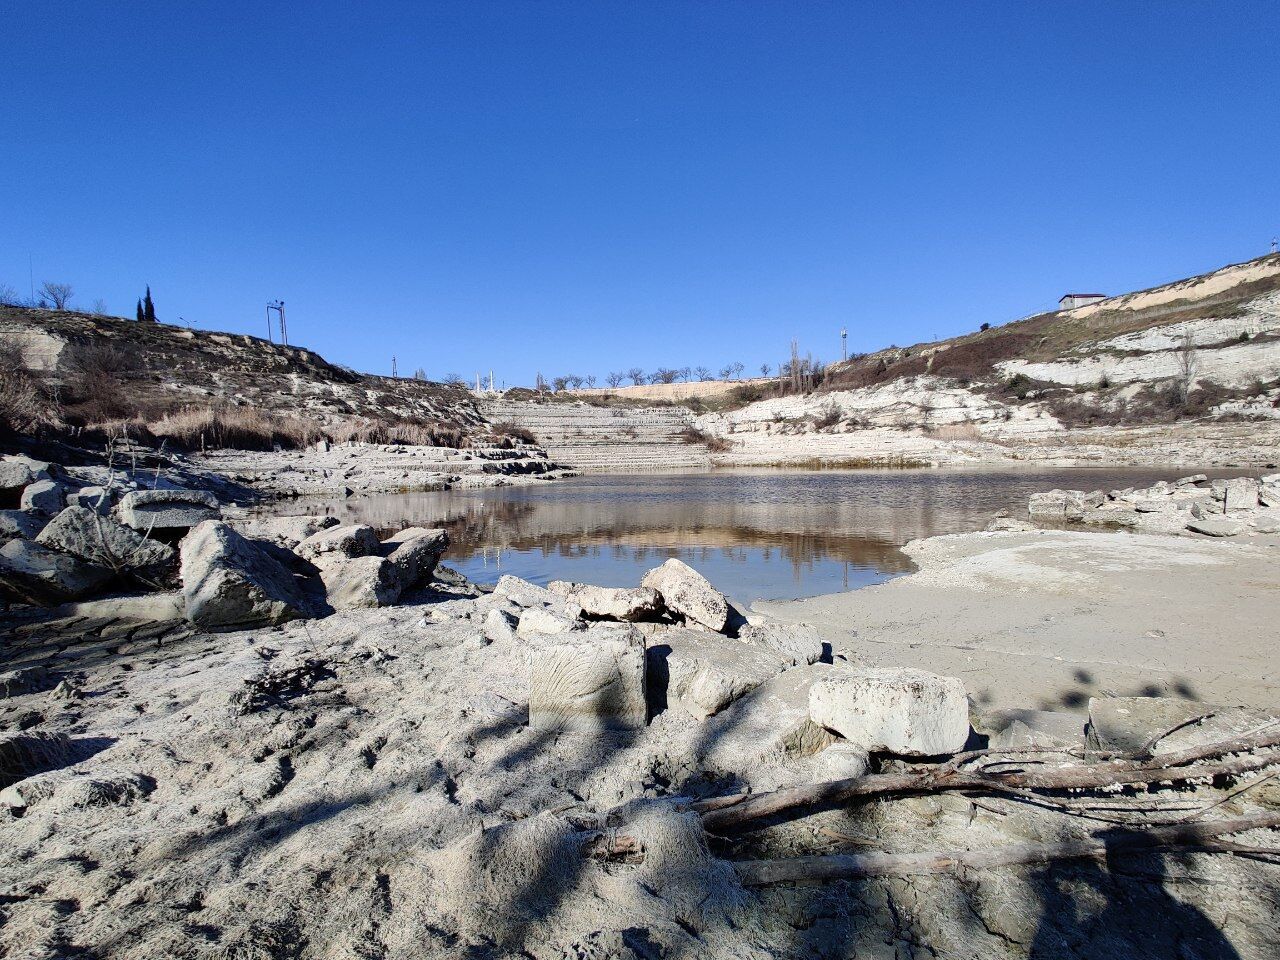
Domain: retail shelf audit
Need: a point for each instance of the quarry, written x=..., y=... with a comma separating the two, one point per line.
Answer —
x=238, y=721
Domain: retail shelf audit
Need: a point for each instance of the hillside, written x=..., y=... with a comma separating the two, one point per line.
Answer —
x=1188, y=372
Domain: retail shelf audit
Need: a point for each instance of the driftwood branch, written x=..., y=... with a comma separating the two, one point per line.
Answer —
x=850, y=866
x=720, y=814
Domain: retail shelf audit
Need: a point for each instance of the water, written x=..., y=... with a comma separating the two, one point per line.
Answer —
x=756, y=534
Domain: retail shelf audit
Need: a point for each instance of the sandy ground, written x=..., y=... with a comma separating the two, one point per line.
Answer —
x=1052, y=618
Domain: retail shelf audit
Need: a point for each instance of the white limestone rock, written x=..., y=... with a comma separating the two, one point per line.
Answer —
x=541, y=621
x=842, y=760
x=689, y=594
x=229, y=582
x=414, y=553
x=351, y=540
x=705, y=672
x=611, y=603
x=167, y=510
x=33, y=573
x=903, y=711
x=359, y=583
x=1240, y=493
x=799, y=643
x=589, y=681
x=286, y=532
x=44, y=496
x=1217, y=526
x=105, y=542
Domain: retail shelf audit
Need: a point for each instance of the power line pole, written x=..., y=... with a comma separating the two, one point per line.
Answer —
x=844, y=344
x=278, y=307
x=394, y=374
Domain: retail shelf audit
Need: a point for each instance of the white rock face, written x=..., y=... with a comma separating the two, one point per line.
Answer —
x=908, y=712
x=359, y=583
x=1240, y=494
x=499, y=626
x=611, y=603
x=228, y=582
x=353, y=540
x=96, y=539
x=687, y=592
x=592, y=681
x=46, y=496
x=167, y=509
x=708, y=671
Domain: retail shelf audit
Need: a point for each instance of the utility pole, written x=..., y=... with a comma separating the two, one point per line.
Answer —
x=844, y=344
x=394, y=374
x=278, y=307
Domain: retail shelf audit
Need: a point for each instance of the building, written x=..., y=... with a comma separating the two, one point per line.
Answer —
x=1069, y=301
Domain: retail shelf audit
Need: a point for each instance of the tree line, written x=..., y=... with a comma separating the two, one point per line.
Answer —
x=55, y=295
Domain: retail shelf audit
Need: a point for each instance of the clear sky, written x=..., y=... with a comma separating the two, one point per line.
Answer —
x=579, y=187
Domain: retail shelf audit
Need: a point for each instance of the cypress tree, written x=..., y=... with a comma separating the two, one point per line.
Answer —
x=141, y=315
x=148, y=308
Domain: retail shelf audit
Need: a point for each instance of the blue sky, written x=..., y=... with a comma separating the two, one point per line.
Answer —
x=580, y=187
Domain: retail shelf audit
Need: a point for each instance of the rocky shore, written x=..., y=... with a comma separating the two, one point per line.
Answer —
x=224, y=736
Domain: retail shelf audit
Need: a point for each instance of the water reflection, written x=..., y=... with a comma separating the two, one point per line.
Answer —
x=756, y=534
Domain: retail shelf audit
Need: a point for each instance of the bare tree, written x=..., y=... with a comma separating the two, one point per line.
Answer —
x=575, y=381
x=9, y=296
x=591, y=380
x=636, y=376
x=58, y=294
x=615, y=379
x=726, y=371
x=764, y=369
x=420, y=374
x=664, y=375
x=99, y=308
x=1188, y=365
x=455, y=380
x=737, y=368
x=540, y=383
x=559, y=383
x=703, y=373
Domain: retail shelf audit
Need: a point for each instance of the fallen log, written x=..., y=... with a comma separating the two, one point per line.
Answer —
x=852, y=866
x=720, y=814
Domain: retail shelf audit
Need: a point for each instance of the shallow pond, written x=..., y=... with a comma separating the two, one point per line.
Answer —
x=755, y=534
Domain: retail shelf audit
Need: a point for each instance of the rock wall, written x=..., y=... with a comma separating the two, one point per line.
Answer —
x=617, y=439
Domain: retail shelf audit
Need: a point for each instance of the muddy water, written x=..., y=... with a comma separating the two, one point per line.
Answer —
x=755, y=534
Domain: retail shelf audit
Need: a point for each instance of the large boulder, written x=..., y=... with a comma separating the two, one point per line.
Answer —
x=354, y=583
x=21, y=524
x=163, y=511
x=229, y=582
x=100, y=540
x=33, y=573
x=414, y=554
x=903, y=711
x=1064, y=504
x=1240, y=493
x=530, y=596
x=44, y=496
x=589, y=681
x=704, y=672
x=799, y=643
x=1212, y=526
x=285, y=532
x=96, y=498
x=611, y=603
x=541, y=621
x=16, y=473
x=688, y=593
x=351, y=540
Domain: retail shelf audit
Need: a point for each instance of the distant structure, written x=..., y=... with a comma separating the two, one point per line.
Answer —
x=481, y=389
x=1069, y=301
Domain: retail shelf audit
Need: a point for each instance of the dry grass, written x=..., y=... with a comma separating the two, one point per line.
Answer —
x=954, y=431
x=510, y=429
x=239, y=428
x=24, y=405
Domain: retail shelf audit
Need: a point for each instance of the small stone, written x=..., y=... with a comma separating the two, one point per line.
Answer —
x=840, y=761
x=537, y=620
x=799, y=643
x=499, y=626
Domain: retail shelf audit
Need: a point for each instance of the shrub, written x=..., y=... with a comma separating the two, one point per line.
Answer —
x=713, y=443
x=237, y=428
x=828, y=417
x=508, y=428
